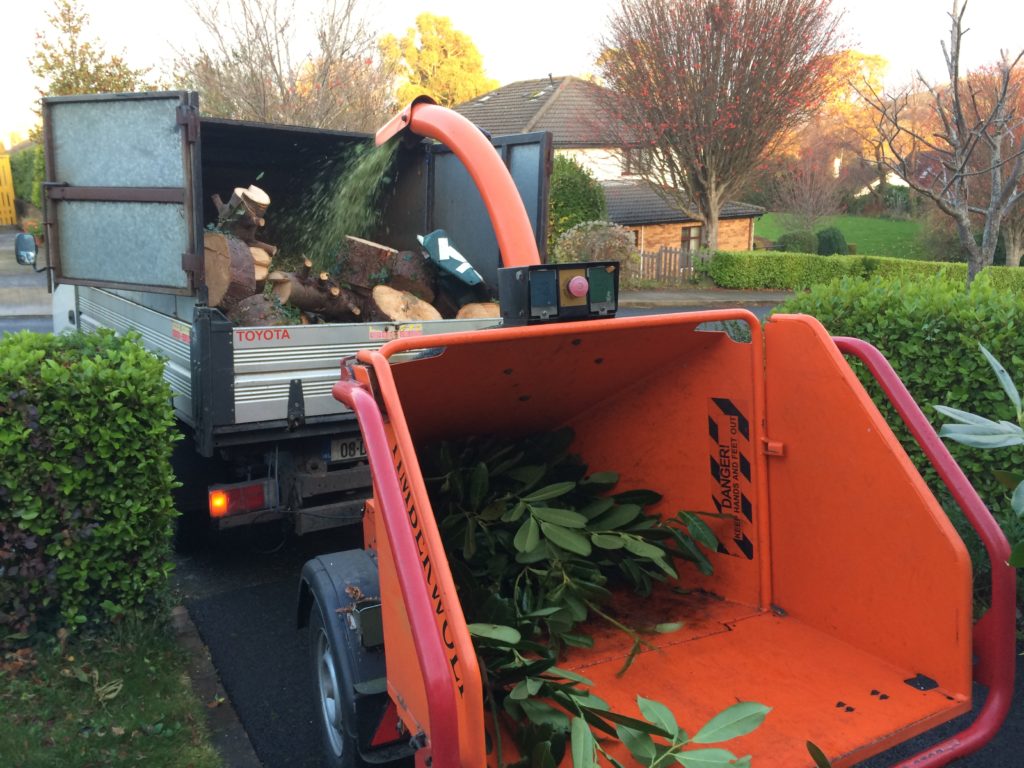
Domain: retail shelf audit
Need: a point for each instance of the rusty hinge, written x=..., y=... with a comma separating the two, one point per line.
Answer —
x=190, y=263
x=773, y=447
x=188, y=116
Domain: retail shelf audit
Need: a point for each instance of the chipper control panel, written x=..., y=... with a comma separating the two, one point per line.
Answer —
x=553, y=292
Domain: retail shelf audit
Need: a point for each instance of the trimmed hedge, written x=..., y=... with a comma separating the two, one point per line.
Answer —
x=930, y=331
x=86, y=514
x=796, y=271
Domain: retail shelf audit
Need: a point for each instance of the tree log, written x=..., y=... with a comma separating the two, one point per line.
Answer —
x=229, y=269
x=259, y=256
x=331, y=301
x=243, y=214
x=478, y=310
x=368, y=264
x=251, y=203
x=402, y=306
x=257, y=310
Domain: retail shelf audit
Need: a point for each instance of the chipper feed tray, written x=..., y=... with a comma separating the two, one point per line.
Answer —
x=841, y=594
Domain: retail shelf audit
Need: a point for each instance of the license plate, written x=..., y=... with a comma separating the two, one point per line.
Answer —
x=348, y=449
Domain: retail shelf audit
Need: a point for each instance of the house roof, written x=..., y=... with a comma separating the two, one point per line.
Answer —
x=633, y=202
x=567, y=106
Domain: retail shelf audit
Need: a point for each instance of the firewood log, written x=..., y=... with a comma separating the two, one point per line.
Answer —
x=366, y=264
x=243, y=214
x=402, y=306
x=229, y=270
x=331, y=301
x=257, y=310
x=479, y=309
x=259, y=256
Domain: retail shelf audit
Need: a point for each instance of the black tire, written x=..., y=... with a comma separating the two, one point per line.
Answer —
x=335, y=703
x=192, y=526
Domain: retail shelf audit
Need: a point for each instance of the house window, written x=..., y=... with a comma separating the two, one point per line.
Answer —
x=691, y=238
x=636, y=237
x=636, y=161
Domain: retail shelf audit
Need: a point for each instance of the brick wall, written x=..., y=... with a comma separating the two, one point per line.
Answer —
x=733, y=235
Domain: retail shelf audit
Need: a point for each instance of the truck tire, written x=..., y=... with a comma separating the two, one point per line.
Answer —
x=192, y=526
x=340, y=747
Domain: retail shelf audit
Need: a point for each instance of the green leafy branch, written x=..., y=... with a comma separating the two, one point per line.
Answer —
x=978, y=432
x=543, y=544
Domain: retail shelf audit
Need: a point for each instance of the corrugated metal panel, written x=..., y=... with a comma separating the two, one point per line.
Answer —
x=160, y=334
x=266, y=360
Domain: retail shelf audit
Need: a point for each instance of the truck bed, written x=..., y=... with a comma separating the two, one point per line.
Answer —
x=252, y=368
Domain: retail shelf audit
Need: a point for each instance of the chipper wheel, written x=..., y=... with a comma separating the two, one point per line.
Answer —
x=335, y=696
x=339, y=601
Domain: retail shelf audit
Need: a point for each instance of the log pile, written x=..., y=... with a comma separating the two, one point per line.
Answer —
x=371, y=282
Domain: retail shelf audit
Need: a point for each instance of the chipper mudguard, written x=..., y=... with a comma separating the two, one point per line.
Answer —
x=841, y=595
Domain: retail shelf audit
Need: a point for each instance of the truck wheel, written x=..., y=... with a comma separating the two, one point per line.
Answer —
x=335, y=697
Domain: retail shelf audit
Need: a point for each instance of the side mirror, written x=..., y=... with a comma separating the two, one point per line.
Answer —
x=25, y=249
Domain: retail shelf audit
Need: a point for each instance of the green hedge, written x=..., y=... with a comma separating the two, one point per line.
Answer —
x=930, y=331
x=23, y=172
x=86, y=515
x=796, y=271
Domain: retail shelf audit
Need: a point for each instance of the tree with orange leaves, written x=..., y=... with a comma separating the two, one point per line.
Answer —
x=708, y=88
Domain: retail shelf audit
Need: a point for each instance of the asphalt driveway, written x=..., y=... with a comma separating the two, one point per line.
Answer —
x=242, y=599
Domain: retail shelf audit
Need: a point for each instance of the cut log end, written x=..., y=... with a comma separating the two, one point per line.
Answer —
x=479, y=310
x=402, y=306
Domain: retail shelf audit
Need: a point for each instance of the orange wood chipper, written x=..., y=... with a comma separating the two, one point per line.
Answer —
x=841, y=595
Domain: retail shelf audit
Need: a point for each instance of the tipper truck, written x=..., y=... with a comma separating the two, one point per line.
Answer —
x=128, y=193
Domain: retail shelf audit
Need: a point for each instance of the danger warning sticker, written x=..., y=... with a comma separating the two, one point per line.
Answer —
x=181, y=332
x=731, y=473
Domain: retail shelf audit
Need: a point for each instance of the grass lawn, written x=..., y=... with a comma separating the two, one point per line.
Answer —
x=873, y=237
x=121, y=702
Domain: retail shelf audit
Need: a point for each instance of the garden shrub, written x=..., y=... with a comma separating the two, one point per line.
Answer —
x=930, y=330
x=803, y=241
x=599, y=241
x=831, y=241
x=575, y=195
x=86, y=516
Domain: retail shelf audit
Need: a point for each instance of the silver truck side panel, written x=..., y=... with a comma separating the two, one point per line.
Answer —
x=138, y=243
x=162, y=334
x=267, y=359
x=134, y=144
x=119, y=192
x=181, y=307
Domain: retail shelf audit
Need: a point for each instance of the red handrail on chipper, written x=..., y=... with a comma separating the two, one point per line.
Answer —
x=841, y=595
x=994, y=633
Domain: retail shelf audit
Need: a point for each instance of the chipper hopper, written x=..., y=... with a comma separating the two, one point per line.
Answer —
x=841, y=595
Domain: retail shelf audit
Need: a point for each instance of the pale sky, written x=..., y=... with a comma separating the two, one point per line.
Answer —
x=518, y=40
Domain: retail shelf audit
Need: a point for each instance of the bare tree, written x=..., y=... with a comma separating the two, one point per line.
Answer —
x=974, y=148
x=809, y=190
x=266, y=66
x=706, y=88
x=1013, y=235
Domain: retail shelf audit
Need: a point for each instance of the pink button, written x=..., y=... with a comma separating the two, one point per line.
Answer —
x=578, y=286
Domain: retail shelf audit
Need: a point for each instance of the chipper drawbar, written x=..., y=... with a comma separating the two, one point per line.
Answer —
x=841, y=593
